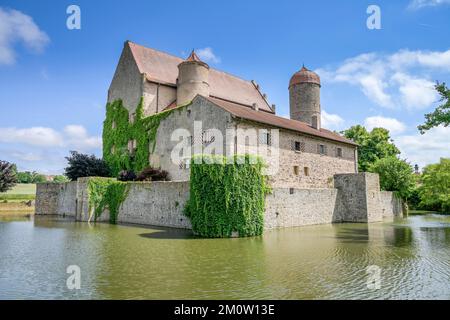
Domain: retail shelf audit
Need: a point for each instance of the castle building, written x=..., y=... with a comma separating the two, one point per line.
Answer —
x=307, y=155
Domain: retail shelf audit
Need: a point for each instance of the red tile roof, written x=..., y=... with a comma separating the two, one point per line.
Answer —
x=162, y=67
x=248, y=113
x=304, y=75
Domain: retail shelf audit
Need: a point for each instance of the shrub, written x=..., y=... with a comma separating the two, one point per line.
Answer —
x=83, y=165
x=127, y=175
x=227, y=195
x=151, y=174
x=7, y=176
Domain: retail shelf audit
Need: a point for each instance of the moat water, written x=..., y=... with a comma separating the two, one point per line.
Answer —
x=317, y=262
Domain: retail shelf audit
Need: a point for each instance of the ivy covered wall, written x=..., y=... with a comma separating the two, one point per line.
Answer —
x=118, y=131
x=227, y=196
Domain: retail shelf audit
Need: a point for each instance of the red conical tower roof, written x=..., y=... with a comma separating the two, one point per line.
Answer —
x=304, y=75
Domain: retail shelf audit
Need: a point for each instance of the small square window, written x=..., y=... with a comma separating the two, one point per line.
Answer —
x=306, y=171
x=322, y=149
x=296, y=170
x=339, y=152
x=297, y=146
x=291, y=190
x=265, y=138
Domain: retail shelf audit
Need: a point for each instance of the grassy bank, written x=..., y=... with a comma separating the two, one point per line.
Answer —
x=20, y=192
x=14, y=202
x=422, y=212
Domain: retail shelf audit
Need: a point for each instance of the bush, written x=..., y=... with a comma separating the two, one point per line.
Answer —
x=227, y=195
x=151, y=174
x=127, y=175
x=7, y=176
x=83, y=165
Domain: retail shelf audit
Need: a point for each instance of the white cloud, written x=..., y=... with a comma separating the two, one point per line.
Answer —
x=26, y=156
x=331, y=121
x=399, y=80
x=78, y=137
x=207, y=55
x=73, y=136
x=393, y=125
x=419, y=4
x=16, y=26
x=37, y=136
x=427, y=148
x=415, y=92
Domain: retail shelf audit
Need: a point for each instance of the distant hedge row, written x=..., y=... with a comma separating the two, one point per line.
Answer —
x=227, y=196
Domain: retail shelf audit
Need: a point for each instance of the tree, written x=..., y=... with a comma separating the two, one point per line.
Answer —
x=30, y=177
x=60, y=178
x=440, y=116
x=374, y=145
x=435, y=189
x=7, y=176
x=83, y=165
x=395, y=175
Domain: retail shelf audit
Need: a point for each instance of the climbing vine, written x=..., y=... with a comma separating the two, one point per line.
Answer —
x=227, y=195
x=118, y=130
x=106, y=193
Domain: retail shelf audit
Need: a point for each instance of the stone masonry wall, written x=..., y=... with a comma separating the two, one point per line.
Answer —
x=157, y=204
x=391, y=206
x=56, y=198
x=287, y=207
x=355, y=199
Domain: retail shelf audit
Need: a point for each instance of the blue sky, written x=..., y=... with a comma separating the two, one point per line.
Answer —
x=54, y=81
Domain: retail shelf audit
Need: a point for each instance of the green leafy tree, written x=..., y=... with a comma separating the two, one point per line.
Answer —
x=435, y=189
x=60, y=178
x=83, y=165
x=374, y=145
x=30, y=177
x=440, y=116
x=7, y=176
x=395, y=175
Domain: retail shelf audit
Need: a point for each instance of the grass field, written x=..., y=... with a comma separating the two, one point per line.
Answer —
x=21, y=192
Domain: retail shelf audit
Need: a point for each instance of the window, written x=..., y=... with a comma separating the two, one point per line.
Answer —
x=339, y=152
x=207, y=137
x=297, y=146
x=291, y=190
x=265, y=138
x=321, y=149
x=296, y=170
x=185, y=164
x=132, y=145
x=306, y=171
x=131, y=117
x=189, y=113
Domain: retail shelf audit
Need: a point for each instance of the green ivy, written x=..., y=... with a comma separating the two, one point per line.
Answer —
x=143, y=130
x=106, y=193
x=227, y=195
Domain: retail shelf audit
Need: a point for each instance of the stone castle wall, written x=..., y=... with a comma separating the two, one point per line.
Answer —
x=161, y=203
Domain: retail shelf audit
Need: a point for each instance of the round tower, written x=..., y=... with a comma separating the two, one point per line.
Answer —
x=193, y=75
x=304, y=97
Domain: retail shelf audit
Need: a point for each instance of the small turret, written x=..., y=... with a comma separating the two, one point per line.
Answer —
x=193, y=77
x=304, y=97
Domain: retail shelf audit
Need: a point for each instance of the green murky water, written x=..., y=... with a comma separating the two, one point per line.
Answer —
x=317, y=262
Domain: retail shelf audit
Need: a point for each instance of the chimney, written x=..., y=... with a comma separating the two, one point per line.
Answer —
x=255, y=107
x=274, y=108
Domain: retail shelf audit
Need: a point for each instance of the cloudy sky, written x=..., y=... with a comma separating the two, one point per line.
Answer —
x=54, y=81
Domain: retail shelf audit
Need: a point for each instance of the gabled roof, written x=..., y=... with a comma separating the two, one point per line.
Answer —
x=162, y=67
x=273, y=120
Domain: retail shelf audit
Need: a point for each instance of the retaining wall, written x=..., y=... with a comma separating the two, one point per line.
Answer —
x=355, y=198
